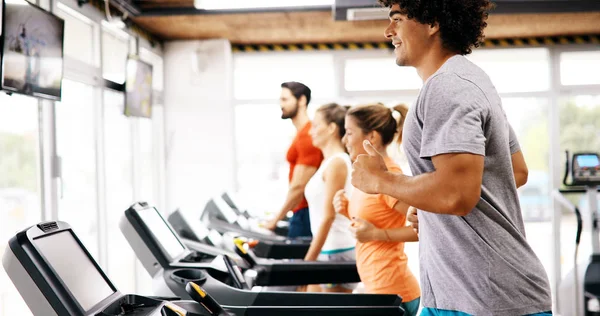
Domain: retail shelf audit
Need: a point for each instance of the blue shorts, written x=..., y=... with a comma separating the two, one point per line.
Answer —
x=300, y=224
x=427, y=311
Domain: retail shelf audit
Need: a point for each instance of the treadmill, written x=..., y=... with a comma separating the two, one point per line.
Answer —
x=281, y=229
x=171, y=265
x=36, y=263
x=200, y=239
x=219, y=216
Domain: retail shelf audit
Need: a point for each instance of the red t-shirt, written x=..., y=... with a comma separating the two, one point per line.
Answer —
x=303, y=152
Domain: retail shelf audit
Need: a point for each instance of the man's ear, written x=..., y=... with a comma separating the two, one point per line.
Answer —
x=434, y=28
x=302, y=101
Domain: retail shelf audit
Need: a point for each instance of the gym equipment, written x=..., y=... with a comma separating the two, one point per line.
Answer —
x=219, y=216
x=172, y=265
x=36, y=262
x=50, y=285
x=281, y=229
x=579, y=294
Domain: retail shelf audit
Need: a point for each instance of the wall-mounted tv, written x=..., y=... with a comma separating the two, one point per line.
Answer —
x=31, y=50
x=138, y=88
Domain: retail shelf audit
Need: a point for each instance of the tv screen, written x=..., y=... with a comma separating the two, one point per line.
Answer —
x=32, y=50
x=138, y=88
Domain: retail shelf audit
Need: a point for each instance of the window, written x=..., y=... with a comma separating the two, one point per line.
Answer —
x=75, y=133
x=260, y=76
x=115, y=49
x=261, y=155
x=515, y=70
x=119, y=189
x=372, y=74
x=531, y=127
x=580, y=68
x=79, y=35
x=579, y=132
x=19, y=183
x=147, y=162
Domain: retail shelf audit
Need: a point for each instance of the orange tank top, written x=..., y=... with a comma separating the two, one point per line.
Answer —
x=383, y=265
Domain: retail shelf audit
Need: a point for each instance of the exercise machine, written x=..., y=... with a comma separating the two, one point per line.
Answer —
x=52, y=286
x=55, y=275
x=579, y=292
x=219, y=216
x=172, y=265
x=265, y=247
x=281, y=229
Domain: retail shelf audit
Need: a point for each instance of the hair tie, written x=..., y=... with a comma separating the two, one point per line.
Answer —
x=396, y=115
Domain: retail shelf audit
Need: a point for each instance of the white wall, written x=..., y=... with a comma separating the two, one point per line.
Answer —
x=199, y=122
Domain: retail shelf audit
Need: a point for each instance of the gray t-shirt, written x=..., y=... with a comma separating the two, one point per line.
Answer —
x=481, y=263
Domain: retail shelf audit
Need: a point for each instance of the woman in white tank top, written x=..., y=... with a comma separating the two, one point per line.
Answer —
x=332, y=241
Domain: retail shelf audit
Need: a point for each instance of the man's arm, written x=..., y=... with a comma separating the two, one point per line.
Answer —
x=300, y=177
x=519, y=168
x=454, y=187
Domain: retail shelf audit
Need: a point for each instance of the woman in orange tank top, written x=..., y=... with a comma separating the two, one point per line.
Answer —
x=379, y=221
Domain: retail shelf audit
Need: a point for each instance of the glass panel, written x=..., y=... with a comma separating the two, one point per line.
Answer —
x=75, y=141
x=502, y=65
x=119, y=193
x=579, y=132
x=580, y=68
x=262, y=164
x=79, y=35
x=529, y=119
x=157, y=67
x=260, y=76
x=19, y=183
x=371, y=74
x=114, y=56
x=147, y=162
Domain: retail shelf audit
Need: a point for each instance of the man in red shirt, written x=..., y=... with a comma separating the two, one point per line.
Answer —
x=303, y=157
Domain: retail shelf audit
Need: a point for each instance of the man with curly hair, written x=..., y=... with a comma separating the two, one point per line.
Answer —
x=467, y=166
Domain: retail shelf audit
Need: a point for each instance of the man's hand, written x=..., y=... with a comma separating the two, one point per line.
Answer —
x=368, y=169
x=340, y=202
x=412, y=218
x=364, y=231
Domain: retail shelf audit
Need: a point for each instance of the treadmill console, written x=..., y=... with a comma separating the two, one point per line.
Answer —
x=56, y=275
x=158, y=239
x=200, y=233
x=586, y=169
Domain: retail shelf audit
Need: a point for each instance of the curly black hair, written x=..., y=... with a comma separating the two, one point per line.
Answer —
x=461, y=21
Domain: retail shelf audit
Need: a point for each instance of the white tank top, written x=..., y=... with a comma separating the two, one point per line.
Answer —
x=339, y=237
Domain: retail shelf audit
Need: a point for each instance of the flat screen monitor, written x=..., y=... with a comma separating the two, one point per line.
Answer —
x=32, y=50
x=163, y=234
x=75, y=268
x=138, y=88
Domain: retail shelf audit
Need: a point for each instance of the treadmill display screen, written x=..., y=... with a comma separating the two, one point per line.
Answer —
x=74, y=268
x=162, y=232
x=590, y=161
x=226, y=210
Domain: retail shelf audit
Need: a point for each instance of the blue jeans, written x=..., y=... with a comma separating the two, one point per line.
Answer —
x=427, y=311
x=300, y=224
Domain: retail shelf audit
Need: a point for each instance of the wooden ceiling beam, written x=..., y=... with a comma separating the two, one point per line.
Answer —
x=319, y=27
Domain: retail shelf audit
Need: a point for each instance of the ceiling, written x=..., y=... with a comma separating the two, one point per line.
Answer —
x=178, y=19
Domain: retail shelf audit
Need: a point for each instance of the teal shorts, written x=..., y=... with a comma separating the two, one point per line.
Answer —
x=427, y=311
x=411, y=308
